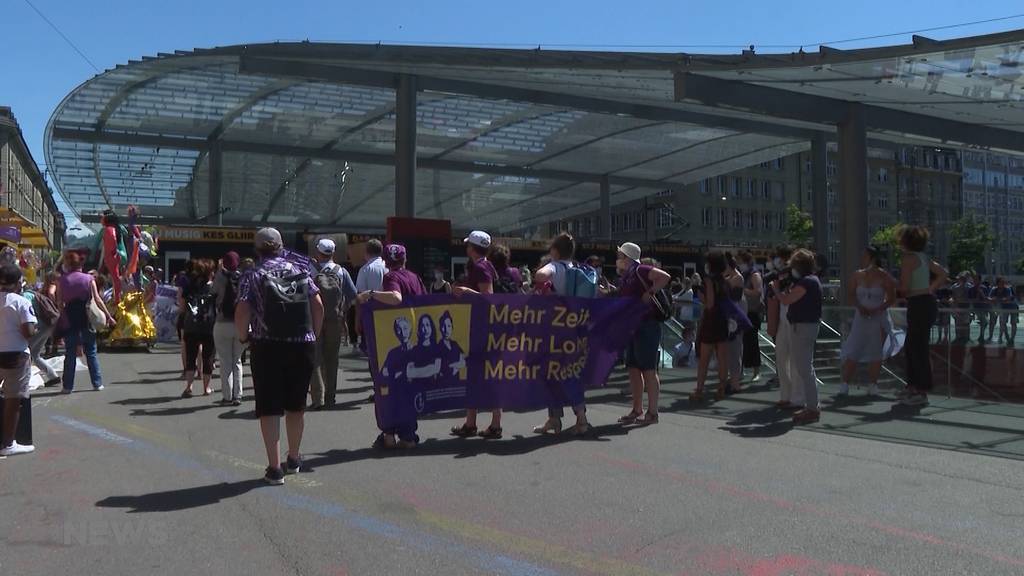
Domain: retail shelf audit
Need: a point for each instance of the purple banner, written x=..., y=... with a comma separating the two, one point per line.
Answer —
x=439, y=352
x=11, y=234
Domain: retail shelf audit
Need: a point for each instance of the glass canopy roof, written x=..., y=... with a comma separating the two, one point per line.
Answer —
x=505, y=139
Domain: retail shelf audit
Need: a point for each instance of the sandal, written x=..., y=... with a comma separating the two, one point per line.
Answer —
x=552, y=426
x=648, y=419
x=806, y=417
x=631, y=417
x=697, y=395
x=464, y=431
x=783, y=404
x=581, y=429
x=491, y=433
x=385, y=442
x=186, y=394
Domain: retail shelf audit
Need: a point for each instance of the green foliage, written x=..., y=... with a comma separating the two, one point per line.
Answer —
x=887, y=240
x=799, y=226
x=970, y=240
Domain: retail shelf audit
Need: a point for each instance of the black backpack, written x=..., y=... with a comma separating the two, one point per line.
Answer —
x=45, y=309
x=200, y=310
x=286, y=312
x=506, y=285
x=230, y=298
x=329, y=284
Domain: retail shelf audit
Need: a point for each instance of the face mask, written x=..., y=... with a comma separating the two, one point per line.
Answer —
x=744, y=268
x=777, y=262
x=795, y=274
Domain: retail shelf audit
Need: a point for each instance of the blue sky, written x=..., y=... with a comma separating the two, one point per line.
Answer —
x=40, y=68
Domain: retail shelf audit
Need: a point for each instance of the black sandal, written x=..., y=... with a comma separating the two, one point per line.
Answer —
x=491, y=433
x=464, y=431
x=186, y=394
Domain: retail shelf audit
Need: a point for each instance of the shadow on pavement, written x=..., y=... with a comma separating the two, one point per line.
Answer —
x=178, y=411
x=146, y=401
x=764, y=423
x=183, y=499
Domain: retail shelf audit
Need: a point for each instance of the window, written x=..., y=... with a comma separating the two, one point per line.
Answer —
x=780, y=191
x=664, y=193
x=737, y=219
x=638, y=219
x=614, y=224
x=766, y=221
x=830, y=168
x=752, y=220
x=737, y=187
x=664, y=217
x=766, y=190
x=707, y=217
x=780, y=220
x=883, y=175
x=883, y=200
x=752, y=188
x=779, y=163
x=723, y=217
x=704, y=186
x=722, y=185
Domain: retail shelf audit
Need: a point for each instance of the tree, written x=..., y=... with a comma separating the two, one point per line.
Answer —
x=1020, y=266
x=888, y=241
x=799, y=226
x=969, y=240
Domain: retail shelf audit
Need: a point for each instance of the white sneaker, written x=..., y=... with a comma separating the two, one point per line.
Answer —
x=14, y=449
x=844, y=389
x=873, y=390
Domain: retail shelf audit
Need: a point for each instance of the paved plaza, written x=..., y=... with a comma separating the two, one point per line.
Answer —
x=135, y=480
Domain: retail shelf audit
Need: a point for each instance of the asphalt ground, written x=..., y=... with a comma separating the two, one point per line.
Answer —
x=135, y=480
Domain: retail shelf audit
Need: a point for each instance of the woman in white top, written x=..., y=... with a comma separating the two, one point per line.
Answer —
x=874, y=291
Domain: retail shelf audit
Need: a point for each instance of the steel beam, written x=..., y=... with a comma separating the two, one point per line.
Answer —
x=853, y=201
x=382, y=79
x=819, y=191
x=214, y=198
x=405, y=147
x=780, y=103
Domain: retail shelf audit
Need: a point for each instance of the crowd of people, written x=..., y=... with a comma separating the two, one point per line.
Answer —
x=291, y=313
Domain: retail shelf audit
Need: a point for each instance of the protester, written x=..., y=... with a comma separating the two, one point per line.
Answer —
x=735, y=282
x=337, y=292
x=873, y=291
x=753, y=293
x=1006, y=300
x=439, y=285
x=641, y=281
x=944, y=297
x=713, y=333
x=279, y=310
x=225, y=337
x=780, y=330
x=562, y=250
x=47, y=312
x=199, y=304
x=398, y=284
x=920, y=276
x=682, y=300
x=76, y=291
x=371, y=275
x=981, y=303
x=961, y=294
x=480, y=279
x=803, y=300
x=509, y=279
x=17, y=326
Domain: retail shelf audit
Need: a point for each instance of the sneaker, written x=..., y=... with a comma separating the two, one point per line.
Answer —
x=292, y=465
x=14, y=449
x=65, y=391
x=844, y=389
x=873, y=390
x=915, y=400
x=98, y=388
x=52, y=382
x=236, y=402
x=274, y=476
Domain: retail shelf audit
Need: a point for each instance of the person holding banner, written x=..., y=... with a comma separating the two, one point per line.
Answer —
x=402, y=364
x=643, y=282
x=480, y=279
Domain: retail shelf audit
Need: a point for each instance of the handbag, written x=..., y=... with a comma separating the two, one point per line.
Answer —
x=97, y=319
x=662, y=300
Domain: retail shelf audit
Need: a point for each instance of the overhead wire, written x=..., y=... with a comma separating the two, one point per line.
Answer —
x=62, y=35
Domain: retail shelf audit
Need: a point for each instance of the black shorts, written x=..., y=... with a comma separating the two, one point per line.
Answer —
x=280, y=375
x=192, y=343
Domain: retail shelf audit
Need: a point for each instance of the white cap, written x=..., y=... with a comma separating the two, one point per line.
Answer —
x=325, y=246
x=479, y=238
x=631, y=251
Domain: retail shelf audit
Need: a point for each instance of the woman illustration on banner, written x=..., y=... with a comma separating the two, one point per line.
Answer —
x=425, y=358
x=395, y=373
x=453, y=360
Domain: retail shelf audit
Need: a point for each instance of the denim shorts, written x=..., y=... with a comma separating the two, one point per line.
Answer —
x=644, y=350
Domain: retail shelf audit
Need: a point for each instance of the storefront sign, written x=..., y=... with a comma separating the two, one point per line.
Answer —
x=226, y=235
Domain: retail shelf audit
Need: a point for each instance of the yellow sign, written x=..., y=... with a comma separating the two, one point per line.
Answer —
x=197, y=234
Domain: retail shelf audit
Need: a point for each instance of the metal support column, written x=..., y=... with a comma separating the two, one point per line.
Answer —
x=853, y=204
x=605, y=217
x=405, y=146
x=214, y=198
x=819, y=192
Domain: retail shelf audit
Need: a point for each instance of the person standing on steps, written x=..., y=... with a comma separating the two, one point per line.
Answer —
x=279, y=314
x=337, y=291
x=803, y=300
x=874, y=291
x=753, y=292
x=225, y=337
x=920, y=277
x=17, y=326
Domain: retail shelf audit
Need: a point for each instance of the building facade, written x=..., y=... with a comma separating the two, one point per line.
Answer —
x=23, y=190
x=994, y=192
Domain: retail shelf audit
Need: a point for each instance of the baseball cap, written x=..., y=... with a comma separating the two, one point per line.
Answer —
x=631, y=251
x=268, y=238
x=395, y=252
x=479, y=238
x=325, y=246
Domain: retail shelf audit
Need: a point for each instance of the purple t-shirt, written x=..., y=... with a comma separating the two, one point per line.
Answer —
x=403, y=281
x=395, y=365
x=250, y=289
x=806, y=310
x=480, y=272
x=512, y=275
x=631, y=285
x=75, y=286
x=448, y=358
